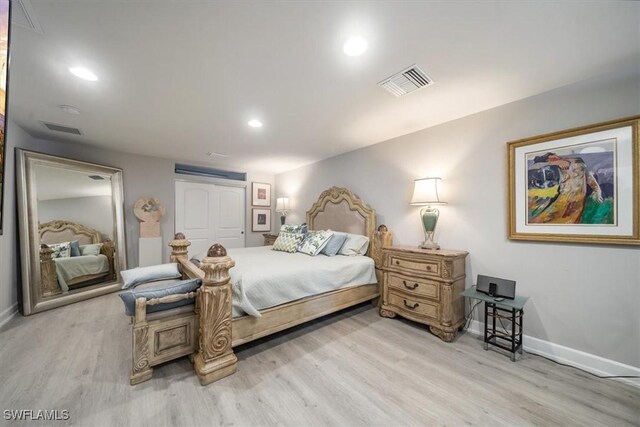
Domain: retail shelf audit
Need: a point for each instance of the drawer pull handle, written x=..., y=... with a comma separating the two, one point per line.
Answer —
x=429, y=267
x=415, y=285
x=412, y=307
x=397, y=262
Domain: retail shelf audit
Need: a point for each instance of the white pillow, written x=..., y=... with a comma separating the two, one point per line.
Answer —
x=355, y=245
x=93, y=249
x=315, y=241
x=140, y=275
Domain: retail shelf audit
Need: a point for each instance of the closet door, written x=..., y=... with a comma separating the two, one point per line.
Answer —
x=195, y=207
x=229, y=216
x=210, y=213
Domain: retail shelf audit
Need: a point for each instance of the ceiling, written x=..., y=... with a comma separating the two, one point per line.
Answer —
x=179, y=79
x=53, y=183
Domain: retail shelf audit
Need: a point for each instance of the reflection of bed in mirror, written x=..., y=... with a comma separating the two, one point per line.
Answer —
x=62, y=200
x=64, y=274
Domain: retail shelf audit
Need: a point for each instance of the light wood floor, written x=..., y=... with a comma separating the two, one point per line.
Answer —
x=350, y=369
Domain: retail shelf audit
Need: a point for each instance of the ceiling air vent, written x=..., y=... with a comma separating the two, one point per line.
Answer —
x=61, y=128
x=406, y=81
x=22, y=14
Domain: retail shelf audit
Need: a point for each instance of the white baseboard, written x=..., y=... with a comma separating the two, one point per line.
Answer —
x=588, y=362
x=8, y=314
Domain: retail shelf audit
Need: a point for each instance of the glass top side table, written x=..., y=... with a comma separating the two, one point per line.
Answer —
x=511, y=310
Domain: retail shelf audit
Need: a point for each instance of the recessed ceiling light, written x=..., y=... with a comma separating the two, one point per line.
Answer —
x=69, y=109
x=355, y=46
x=83, y=73
x=255, y=123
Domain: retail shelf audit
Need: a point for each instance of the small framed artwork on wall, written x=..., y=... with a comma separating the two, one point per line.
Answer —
x=579, y=185
x=261, y=220
x=261, y=194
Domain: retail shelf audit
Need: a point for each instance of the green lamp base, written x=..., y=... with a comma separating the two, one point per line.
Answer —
x=429, y=217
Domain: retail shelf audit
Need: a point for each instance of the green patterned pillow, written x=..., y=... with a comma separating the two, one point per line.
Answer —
x=300, y=228
x=288, y=242
x=314, y=241
x=61, y=250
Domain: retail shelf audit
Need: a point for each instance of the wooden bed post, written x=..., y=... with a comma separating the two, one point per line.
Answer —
x=215, y=359
x=48, y=278
x=179, y=248
x=140, y=371
x=381, y=238
x=108, y=249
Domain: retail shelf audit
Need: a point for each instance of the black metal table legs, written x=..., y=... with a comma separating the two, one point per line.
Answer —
x=512, y=338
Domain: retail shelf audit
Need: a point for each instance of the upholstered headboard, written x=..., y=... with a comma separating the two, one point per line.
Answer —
x=339, y=209
x=66, y=231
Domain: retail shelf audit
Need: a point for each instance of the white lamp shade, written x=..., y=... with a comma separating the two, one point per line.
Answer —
x=425, y=192
x=282, y=204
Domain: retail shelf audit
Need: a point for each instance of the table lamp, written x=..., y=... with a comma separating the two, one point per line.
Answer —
x=425, y=193
x=282, y=206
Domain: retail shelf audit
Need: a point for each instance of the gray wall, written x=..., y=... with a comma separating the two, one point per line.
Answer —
x=582, y=296
x=143, y=176
x=94, y=212
x=8, y=247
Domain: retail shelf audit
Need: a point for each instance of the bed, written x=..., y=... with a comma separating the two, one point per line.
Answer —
x=219, y=321
x=61, y=275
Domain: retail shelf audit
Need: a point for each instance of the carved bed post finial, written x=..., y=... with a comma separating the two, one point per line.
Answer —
x=215, y=358
x=382, y=238
x=48, y=280
x=179, y=247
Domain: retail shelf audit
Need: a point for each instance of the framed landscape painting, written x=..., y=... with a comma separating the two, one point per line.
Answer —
x=579, y=185
x=4, y=63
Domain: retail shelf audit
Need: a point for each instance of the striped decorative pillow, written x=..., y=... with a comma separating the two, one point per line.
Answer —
x=288, y=242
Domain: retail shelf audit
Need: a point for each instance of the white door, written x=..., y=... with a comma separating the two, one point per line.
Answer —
x=209, y=213
x=229, y=214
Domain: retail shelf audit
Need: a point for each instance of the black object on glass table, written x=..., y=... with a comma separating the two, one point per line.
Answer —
x=496, y=287
x=493, y=288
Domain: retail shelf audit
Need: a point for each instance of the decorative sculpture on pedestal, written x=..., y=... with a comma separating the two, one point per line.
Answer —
x=149, y=212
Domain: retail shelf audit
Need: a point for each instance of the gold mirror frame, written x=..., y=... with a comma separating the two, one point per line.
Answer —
x=33, y=300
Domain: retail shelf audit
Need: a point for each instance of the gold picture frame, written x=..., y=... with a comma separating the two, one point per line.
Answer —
x=579, y=185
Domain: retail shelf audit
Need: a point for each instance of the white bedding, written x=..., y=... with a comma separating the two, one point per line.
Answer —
x=264, y=278
x=71, y=267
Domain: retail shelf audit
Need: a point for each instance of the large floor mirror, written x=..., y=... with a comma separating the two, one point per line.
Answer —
x=72, y=242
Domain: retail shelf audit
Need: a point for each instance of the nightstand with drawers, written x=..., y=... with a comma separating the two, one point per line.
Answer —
x=424, y=286
x=269, y=239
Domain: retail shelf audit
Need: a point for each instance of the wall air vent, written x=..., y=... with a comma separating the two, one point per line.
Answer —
x=61, y=128
x=406, y=81
x=22, y=14
x=97, y=177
